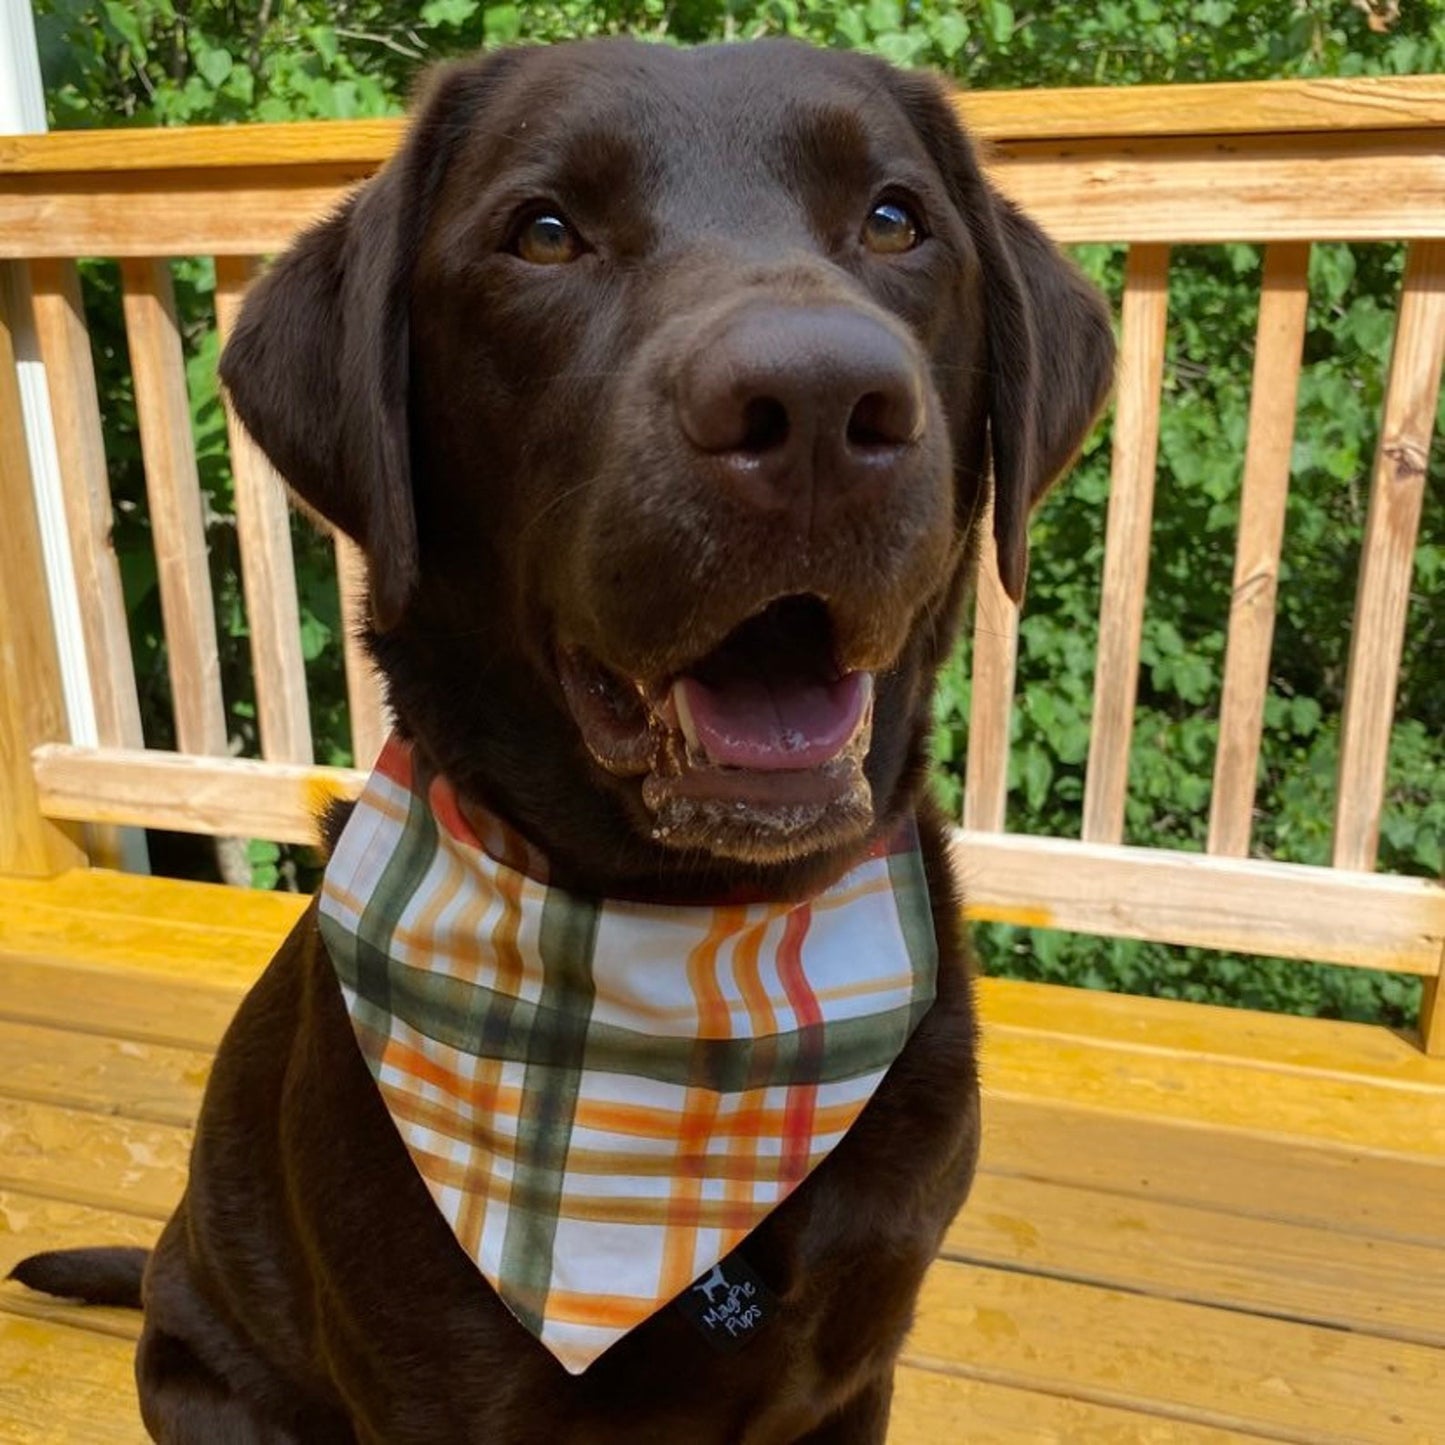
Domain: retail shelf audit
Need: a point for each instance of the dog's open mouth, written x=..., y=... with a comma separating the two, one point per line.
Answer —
x=762, y=738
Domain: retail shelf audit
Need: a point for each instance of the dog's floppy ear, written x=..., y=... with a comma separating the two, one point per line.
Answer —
x=1051, y=349
x=317, y=367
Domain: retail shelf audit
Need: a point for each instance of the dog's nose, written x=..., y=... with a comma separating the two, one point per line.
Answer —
x=799, y=407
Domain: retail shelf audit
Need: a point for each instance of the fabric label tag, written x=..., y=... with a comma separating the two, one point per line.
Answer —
x=728, y=1305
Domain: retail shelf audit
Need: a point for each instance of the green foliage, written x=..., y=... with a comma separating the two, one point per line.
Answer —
x=150, y=62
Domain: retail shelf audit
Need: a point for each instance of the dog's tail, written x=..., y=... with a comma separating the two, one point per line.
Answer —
x=105, y=1275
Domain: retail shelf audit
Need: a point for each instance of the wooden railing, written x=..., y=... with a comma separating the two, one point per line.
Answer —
x=1287, y=164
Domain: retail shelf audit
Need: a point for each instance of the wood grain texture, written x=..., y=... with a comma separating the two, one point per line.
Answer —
x=268, y=569
x=224, y=796
x=177, y=515
x=1331, y=1048
x=56, y=1064
x=1184, y=1252
x=1206, y=189
x=1229, y=1094
x=106, y=1001
x=1222, y=1368
x=1229, y=1171
x=1201, y=188
x=32, y=703
x=990, y=713
x=1397, y=492
x=365, y=698
x=940, y=1407
x=107, y=898
x=186, y=213
x=1279, y=343
x=1286, y=910
x=30, y=1222
x=1126, y=545
x=65, y=1386
x=1275, y=106
x=84, y=1158
x=70, y=375
x=1236, y=108
x=1432, y=1014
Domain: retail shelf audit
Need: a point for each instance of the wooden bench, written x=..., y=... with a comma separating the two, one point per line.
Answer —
x=1191, y=1223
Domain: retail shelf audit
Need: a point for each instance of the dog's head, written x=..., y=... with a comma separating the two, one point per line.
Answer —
x=660, y=389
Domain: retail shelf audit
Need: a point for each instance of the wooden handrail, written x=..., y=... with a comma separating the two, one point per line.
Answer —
x=1267, y=107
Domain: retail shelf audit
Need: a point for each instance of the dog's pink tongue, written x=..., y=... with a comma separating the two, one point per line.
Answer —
x=772, y=724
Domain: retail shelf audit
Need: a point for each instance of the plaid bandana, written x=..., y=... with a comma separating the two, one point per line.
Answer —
x=604, y=1098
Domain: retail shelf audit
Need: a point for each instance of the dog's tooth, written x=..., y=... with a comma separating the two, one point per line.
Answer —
x=678, y=697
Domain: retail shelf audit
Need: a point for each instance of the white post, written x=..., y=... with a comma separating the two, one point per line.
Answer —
x=22, y=111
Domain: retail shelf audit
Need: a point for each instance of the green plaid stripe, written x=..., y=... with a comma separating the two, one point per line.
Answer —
x=476, y=1019
x=549, y=1090
x=368, y=951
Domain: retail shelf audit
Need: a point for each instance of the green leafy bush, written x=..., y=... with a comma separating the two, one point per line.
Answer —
x=155, y=62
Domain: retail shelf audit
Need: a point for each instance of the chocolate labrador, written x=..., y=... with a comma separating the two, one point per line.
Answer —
x=662, y=390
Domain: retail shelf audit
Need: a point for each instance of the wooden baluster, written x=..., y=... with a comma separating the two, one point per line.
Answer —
x=1279, y=343
x=365, y=698
x=176, y=506
x=268, y=569
x=1126, y=545
x=1397, y=490
x=1432, y=1013
x=32, y=705
x=995, y=656
x=75, y=408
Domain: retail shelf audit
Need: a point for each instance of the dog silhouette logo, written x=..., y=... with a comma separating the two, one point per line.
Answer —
x=717, y=1280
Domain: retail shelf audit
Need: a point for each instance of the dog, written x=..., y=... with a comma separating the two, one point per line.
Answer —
x=666, y=392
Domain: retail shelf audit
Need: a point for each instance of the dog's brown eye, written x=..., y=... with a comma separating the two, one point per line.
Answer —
x=547, y=240
x=891, y=229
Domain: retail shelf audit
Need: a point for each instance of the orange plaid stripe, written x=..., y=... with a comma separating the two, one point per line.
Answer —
x=567, y=1072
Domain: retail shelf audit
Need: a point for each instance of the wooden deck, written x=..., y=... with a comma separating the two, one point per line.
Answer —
x=1190, y=1224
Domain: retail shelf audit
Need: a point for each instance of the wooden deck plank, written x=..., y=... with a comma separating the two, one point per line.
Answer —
x=1183, y=1252
x=1331, y=1187
x=103, y=1161
x=1229, y=1094
x=1329, y=1046
x=931, y=1407
x=32, y=1222
x=113, y=1003
x=65, y=1385
x=17, y=1302
x=104, y=1075
x=128, y=895
x=1208, y=1366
